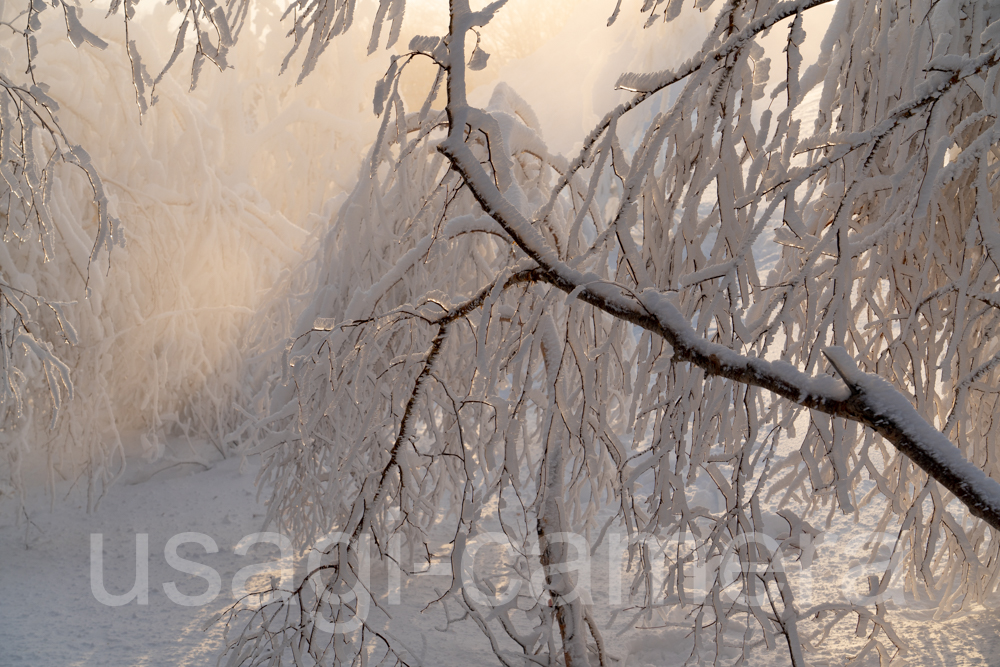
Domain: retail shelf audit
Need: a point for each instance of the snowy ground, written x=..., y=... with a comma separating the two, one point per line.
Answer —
x=51, y=616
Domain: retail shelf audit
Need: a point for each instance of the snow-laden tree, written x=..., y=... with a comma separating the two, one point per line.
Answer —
x=772, y=282
x=762, y=293
x=208, y=196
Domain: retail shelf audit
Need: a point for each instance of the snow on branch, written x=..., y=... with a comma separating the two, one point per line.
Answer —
x=864, y=399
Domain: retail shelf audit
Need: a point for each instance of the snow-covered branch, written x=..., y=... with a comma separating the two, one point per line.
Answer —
x=865, y=399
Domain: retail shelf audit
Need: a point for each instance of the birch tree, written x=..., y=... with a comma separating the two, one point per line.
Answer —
x=489, y=326
x=730, y=287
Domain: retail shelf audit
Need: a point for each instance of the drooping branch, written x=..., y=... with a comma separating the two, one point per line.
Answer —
x=862, y=398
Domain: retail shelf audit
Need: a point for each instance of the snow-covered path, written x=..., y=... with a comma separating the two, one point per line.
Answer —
x=51, y=617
